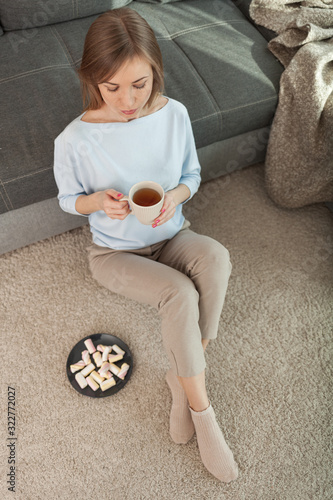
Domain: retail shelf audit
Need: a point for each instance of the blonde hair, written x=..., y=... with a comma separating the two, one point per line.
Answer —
x=113, y=38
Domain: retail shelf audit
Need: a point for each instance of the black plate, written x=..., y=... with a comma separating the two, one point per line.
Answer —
x=76, y=355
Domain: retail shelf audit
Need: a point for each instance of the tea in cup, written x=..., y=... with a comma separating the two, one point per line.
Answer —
x=146, y=200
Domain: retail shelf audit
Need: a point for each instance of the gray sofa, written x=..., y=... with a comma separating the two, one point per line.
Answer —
x=216, y=62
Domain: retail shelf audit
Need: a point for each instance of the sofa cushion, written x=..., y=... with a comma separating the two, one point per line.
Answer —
x=18, y=14
x=215, y=62
x=39, y=91
x=231, y=79
x=159, y=1
x=244, y=7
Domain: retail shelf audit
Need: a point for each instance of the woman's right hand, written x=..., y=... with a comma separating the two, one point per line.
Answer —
x=111, y=204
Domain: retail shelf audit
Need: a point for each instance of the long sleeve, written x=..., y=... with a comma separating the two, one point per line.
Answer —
x=66, y=173
x=191, y=166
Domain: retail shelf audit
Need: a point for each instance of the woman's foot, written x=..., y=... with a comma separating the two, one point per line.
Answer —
x=181, y=424
x=215, y=453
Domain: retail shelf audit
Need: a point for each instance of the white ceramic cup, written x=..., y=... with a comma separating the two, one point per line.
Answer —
x=144, y=214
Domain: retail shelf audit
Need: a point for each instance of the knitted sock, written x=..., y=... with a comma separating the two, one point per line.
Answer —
x=181, y=424
x=215, y=453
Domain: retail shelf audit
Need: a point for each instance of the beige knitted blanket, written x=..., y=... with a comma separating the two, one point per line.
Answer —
x=299, y=161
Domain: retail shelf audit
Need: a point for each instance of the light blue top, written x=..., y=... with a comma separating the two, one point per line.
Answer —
x=91, y=157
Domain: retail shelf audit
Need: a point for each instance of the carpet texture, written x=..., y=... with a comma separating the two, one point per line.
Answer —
x=269, y=373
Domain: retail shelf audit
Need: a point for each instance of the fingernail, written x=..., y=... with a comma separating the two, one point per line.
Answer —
x=158, y=220
x=154, y=225
x=119, y=194
x=163, y=211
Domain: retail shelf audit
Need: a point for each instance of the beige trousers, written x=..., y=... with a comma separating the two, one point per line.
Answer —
x=184, y=278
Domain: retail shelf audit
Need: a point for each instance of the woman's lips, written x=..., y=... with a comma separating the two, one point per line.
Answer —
x=128, y=112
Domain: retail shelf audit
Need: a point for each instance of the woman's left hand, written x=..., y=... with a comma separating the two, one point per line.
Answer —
x=168, y=210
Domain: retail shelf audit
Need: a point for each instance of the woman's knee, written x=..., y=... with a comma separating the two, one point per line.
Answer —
x=180, y=293
x=216, y=256
x=222, y=256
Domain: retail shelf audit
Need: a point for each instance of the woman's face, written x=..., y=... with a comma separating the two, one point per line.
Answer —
x=128, y=91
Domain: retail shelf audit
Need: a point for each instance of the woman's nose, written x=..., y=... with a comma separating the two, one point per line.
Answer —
x=127, y=99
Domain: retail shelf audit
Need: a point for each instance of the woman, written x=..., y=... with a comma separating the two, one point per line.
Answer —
x=130, y=132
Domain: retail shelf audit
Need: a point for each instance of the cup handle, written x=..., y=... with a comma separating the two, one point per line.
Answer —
x=126, y=198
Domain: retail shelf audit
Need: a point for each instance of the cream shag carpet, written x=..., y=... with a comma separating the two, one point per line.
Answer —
x=269, y=372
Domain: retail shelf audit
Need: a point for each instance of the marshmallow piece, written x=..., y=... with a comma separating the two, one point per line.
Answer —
x=117, y=349
x=106, y=352
x=90, y=346
x=107, y=375
x=96, y=377
x=86, y=357
x=88, y=369
x=98, y=359
x=107, y=384
x=100, y=347
x=115, y=357
x=77, y=366
x=114, y=369
x=81, y=380
x=92, y=383
x=123, y=371
x=104, y=368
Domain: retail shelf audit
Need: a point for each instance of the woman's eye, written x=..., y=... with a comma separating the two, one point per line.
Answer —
x=141, y=86
x=135, y=86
